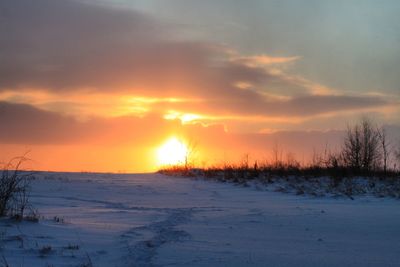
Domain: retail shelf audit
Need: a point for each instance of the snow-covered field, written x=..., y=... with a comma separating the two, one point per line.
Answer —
x=156, y=220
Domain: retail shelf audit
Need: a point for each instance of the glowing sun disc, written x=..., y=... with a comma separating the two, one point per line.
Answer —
x=172, y=152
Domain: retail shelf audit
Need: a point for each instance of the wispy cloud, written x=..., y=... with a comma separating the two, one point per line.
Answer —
x=263, y=60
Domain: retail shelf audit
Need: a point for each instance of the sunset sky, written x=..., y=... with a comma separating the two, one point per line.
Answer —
x=100, y=85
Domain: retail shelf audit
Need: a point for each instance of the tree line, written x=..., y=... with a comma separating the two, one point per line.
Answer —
x=365, y=150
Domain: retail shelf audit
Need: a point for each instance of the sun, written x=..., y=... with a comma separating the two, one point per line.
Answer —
x=172, y=152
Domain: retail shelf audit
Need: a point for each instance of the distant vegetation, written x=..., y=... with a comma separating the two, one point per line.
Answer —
x=366, y=163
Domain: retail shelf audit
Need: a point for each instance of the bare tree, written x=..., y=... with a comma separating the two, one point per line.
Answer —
x=352, y=147
x=384, y=147
x=361, y=146
x=370, y=145
x=397, y=154
x=190, y=157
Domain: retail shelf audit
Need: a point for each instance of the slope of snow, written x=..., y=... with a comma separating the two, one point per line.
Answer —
x=156, y=220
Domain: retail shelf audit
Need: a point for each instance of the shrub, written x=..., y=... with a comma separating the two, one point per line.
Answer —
x=14, y=185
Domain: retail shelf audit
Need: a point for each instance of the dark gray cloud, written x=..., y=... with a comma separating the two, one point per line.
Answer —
x=26, y=124
x=67, y=46
x=22, y=123
x=253, y=104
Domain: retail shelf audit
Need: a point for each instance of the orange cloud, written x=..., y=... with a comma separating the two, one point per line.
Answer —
x=263, y=60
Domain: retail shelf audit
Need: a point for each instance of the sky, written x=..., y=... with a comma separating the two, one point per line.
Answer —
x=99, y=85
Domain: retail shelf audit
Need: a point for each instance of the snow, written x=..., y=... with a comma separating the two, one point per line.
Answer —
x=156, y=220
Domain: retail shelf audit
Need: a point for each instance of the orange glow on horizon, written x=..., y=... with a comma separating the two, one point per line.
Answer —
x=172, y=152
